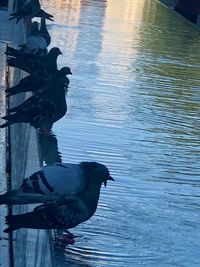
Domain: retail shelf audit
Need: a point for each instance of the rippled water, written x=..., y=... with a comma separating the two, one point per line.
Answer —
x=133, y=104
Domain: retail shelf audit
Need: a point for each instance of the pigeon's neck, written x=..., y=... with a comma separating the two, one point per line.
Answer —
x=91, y=193
x=36, y=3
x=51, y=63
x=43, y=27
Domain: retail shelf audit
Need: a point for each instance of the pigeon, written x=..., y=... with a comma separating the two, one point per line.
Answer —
x=42, y=109
x=29, y=83
x=35, y=64
x=34, y=83
x=48, y=184
x=75, y=206
x=35, y=41
x=29, y=10
x=44, y=32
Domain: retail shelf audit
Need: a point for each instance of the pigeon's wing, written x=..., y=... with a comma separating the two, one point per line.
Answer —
x=26, y=196
x=35, y=42
x=71, y=212
x=66, y=179
x=51, y=216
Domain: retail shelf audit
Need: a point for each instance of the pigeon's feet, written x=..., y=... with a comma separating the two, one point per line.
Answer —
x=66, y=238
x=45, y=131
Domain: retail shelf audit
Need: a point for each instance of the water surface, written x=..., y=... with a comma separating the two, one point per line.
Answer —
x=133, y=104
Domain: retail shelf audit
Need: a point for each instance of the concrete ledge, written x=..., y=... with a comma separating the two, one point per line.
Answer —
x=30, y=247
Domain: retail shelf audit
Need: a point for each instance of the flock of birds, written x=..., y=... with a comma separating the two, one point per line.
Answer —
x=68, y=193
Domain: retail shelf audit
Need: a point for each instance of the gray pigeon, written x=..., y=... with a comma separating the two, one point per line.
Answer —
x=36, y=41
x=76, y=205
x=42, y=109
x=50, y=183
x=29, y=10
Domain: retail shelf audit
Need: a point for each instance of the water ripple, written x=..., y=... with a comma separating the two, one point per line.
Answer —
x=133, y=104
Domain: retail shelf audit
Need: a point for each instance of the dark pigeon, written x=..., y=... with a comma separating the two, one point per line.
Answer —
x=29, y=83
x=29, y=10
x=44, y=14
x=69, y=210
x=42, y=109
x=34, y=83
x=35, y=64
x=26, y=11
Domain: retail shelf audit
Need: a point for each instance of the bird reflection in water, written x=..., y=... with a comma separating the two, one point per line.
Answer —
x=49, y=148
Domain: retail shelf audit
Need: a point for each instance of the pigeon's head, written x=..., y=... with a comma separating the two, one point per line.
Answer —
x=65, y=71
x=97, y=171
x=55, y=51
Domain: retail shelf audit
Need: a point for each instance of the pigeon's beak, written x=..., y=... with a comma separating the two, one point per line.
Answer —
x=109, y=178
x=70, y=73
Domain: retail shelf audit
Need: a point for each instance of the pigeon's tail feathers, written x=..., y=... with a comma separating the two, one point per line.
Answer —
x=37, y=219
x=3, y=199
x=45, y=15
x=8, y=117
x=18, y=18
x=14, y=223
x=5, y=124
x=18, y=197
x=11, y=51
x=11, y=119
x=12, y=17
x=11, y=197
x=27, y=220
x=14, y=90
x=15, y=109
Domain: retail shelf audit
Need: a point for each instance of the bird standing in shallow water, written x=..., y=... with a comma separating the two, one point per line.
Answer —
x=73, y=207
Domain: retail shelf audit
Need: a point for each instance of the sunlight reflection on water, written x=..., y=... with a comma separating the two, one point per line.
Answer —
x=133, y=104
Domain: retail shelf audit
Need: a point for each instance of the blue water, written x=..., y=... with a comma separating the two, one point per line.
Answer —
x=133, y=104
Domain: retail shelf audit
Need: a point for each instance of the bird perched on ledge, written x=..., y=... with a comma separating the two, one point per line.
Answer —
x=77, y=188
x=29, y=10
x=36, y=64
x=36, y=42
x=36, y=83
x=44, y=108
